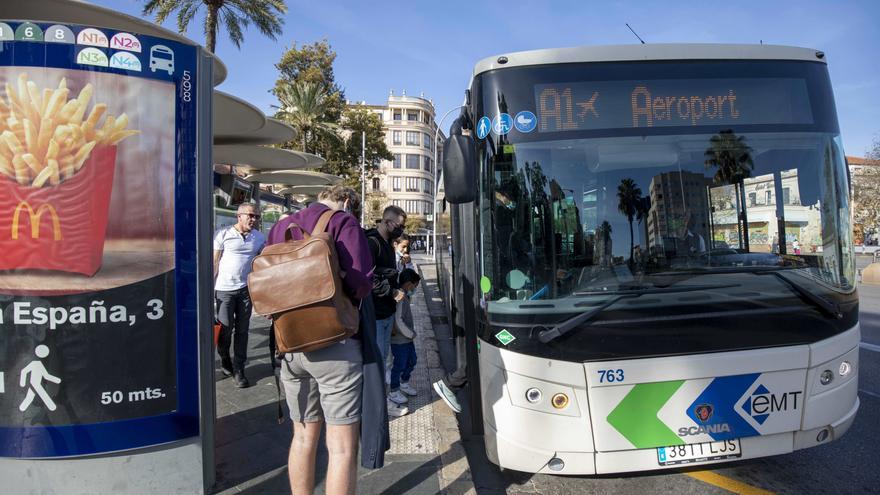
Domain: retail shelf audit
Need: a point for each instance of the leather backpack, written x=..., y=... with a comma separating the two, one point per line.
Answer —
x=299, y=284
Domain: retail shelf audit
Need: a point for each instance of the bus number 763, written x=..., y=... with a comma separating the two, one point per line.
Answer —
x=610, y=376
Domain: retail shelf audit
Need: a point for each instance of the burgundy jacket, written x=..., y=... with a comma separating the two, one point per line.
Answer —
x=351, y=246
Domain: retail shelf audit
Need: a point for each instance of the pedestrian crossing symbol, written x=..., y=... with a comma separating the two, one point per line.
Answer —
x=505, y=337
x=483, y=127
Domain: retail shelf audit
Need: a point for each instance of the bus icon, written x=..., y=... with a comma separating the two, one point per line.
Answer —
x=162, y=58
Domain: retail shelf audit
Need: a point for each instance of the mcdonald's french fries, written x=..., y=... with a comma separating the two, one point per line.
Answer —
x=46, y=137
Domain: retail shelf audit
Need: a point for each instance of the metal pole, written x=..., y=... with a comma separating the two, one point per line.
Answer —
x=436, y=179
x=363, y=177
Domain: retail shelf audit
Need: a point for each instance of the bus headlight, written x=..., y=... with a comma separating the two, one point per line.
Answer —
x=826, y=377
x=559, y=401
x=534, y=395
x=845, y=368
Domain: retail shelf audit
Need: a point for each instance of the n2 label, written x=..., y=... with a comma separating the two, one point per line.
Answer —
x=610, y=376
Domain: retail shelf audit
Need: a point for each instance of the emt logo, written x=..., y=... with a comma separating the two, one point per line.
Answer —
x=35, y=217
x=763, y=402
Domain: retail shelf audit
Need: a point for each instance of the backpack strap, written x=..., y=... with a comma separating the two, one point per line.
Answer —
x=288, y=233
x=324, y=221
x=277, y=373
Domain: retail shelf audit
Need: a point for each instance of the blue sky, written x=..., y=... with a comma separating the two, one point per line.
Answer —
x=431, y=47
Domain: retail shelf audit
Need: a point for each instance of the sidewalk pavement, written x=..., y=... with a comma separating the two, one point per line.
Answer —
x=251, y=448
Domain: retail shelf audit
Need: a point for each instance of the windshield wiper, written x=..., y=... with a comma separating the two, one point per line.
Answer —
x=829, y=307
x=826, y=306
x=570, y=324
x=651, y=290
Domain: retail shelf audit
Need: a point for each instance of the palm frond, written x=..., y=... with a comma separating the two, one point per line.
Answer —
x=188, y=10
x=233, y=23
x=267, y=15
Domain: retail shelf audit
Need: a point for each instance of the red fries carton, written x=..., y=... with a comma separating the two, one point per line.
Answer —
x=60, y=227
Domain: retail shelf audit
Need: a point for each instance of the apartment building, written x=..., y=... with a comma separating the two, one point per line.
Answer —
x=406, y=181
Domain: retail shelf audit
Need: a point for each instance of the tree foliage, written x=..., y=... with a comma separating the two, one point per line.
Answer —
x=333, y=130
x=234, y=15
x=313, y=64
x=415, y=224
x=344, y=155
x=305, y=105
x=732, y=157
x=629, y=200
x=866, y=192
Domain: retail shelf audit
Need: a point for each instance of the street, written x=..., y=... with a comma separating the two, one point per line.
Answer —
x=847, y=465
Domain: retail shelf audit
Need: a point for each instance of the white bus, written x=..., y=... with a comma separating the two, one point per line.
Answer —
x=652, y=261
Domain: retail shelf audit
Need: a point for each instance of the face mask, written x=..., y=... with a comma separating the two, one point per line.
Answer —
x=410, y=293
x=397, y=232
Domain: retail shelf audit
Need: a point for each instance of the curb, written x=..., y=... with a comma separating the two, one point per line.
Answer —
x=455, y=472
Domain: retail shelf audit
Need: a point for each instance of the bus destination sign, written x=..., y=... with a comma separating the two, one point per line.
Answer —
x=671, y=103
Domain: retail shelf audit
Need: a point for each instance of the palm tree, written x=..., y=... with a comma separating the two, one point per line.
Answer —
x=629, y=196
x=603, y=243
x=304, y=105
x=234, y=14
x=732, y=157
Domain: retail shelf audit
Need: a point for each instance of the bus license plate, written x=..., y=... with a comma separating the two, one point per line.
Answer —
x=698, y=452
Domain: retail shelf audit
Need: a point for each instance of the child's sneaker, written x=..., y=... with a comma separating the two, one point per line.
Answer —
x=396, y=410
x=408, y=389
x=397, y=397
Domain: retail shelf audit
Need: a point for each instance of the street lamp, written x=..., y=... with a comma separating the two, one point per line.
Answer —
x=363, y=176
x=436, y=180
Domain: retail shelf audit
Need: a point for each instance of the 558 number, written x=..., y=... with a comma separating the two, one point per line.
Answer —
x=610, y=376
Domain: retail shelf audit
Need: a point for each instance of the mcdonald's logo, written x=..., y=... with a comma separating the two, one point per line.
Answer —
x=35, y=217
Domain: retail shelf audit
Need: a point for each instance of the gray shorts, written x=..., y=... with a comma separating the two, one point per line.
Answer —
x=324, y=384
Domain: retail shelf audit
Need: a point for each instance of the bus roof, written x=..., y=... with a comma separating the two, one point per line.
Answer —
x=652, y=51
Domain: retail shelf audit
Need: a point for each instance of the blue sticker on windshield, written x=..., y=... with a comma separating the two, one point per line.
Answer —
x=525, y=121
x=502, y=124
x=483, y=127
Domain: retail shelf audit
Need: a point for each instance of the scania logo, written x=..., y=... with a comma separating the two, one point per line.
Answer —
x=703, y=412
x=763, y=402
x=703, y=429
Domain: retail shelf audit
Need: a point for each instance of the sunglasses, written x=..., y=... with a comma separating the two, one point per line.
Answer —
x=255, y=216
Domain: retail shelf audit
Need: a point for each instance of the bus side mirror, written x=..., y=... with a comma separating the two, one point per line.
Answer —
x=460, y=169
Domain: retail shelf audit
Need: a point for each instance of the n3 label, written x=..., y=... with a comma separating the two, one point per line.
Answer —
x=610, y=376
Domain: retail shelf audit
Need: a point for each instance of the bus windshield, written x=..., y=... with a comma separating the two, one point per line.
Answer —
x=646, y=176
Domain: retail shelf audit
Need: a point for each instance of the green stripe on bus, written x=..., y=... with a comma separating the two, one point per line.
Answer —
x=636, y=415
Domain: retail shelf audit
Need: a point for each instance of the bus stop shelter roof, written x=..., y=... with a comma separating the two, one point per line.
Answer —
x=77, y=12
x=303, y=190
x=264, y=158
x=273, y=132
x=235, y=117
x=294, y=178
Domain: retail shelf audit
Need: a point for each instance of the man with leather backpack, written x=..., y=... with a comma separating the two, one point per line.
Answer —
x=326, y=385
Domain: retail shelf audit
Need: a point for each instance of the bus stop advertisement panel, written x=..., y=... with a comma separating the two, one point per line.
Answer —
x=98, y=272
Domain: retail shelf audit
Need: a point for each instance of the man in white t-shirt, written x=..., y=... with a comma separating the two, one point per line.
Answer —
x=234, y=249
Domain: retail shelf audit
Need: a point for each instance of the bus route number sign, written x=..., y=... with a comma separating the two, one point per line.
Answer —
x=594, y=105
